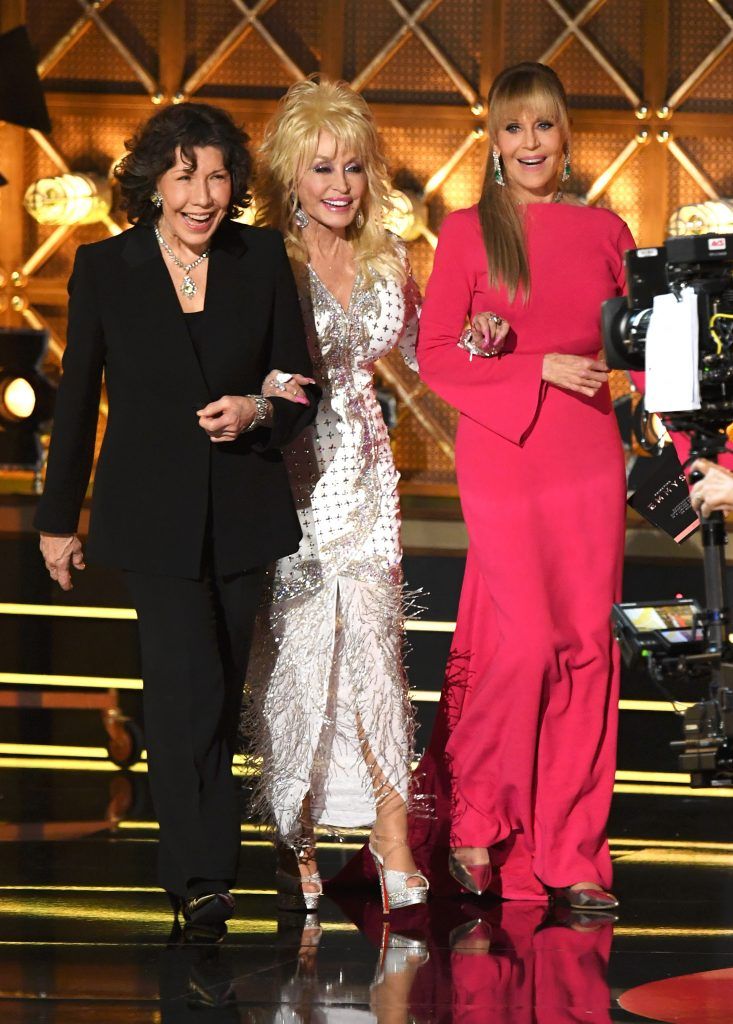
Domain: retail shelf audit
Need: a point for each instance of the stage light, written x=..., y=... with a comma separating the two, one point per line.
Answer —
x=17, y=398
x=710, y=216
x=406, y=215
x=26, y=397
x=68, y=199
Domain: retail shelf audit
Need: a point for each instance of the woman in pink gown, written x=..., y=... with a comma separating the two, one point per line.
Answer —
x=522, y=758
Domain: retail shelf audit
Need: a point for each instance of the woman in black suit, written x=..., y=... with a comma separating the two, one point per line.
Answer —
x=185, y=314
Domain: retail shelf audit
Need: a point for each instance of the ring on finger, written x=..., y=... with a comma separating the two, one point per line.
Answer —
x=496, y=319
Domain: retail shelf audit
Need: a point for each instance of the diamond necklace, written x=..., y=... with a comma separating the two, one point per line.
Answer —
x=188, y=285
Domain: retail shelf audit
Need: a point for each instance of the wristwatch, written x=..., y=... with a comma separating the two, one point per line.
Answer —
x=262, y=408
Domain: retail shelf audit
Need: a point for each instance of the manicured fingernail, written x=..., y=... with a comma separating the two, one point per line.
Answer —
x=302, y=401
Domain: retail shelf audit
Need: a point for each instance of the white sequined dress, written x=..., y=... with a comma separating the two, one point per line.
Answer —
x=327, y=688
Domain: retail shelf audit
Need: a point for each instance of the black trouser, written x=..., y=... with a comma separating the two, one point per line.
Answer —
x=194, y=639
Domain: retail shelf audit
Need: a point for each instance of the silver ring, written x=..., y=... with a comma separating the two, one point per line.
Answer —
x=278, y=386
x=498, y=320
x=283, y=378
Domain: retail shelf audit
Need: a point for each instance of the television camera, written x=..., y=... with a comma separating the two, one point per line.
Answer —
x=681, y=640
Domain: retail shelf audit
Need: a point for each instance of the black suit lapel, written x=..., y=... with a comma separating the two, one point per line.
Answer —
x=227, y=294
x=152, y=298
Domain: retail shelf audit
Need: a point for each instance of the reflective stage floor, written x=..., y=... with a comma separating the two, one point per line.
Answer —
x=85, y=936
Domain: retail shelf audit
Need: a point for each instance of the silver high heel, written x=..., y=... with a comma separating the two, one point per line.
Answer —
x=396, y=954
x=393, y=885
x=290, y=893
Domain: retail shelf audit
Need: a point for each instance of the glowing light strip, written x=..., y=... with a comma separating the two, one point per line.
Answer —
x=629, y=776
x=50, y=750
x=670, y=844
x=30, y=755
x=242, y=763
x=653, y=705
x=623, y=787
x=702, y=859
x=66, y=764
x=124, y=683
x=94, y=612
x=77, y=764
x=250, y=765
x=708, y=933
x=429, y=626
x=665, y=706
x=119, y=683
x=438, y=179
x=336, y=844
x=69, y=764
x=696, y=173
x=66, y=612
x=85, y=682
x=602, y=182
x=87, y=912
x=425, y=696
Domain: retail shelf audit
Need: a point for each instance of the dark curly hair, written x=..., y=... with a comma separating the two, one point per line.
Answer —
x=152, y=151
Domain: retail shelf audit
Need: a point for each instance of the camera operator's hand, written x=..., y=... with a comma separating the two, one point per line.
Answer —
x=575, y=373
x=714, y=493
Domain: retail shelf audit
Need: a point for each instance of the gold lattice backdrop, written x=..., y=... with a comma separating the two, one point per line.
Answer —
x=650, y=84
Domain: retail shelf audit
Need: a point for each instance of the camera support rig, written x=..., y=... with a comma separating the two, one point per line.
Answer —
x=706, y=751
x=705, y=264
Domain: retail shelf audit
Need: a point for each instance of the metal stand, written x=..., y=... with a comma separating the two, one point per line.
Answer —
x=705, y=752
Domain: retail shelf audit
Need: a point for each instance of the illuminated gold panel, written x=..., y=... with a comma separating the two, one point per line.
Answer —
x=101, y=72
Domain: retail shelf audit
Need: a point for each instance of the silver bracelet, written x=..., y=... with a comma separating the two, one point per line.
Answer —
x=262, y=407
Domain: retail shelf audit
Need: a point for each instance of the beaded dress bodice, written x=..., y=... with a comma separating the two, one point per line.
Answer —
x=342, y=467
x=326, y=674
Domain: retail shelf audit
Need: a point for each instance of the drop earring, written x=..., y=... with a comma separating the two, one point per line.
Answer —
x=301, y=218
x=157, y=200
x=566, y=170
x=359, y=220
x=498, y=175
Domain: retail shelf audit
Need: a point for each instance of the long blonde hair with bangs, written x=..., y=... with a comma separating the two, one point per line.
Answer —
x=291, y=141
x=525, y=86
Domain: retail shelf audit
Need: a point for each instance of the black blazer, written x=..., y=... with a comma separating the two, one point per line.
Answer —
x=159, y=477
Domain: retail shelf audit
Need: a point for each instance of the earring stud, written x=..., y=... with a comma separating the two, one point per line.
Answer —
x=157, y=200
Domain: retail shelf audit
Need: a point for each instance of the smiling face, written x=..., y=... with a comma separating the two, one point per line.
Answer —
x=532, y=150
x=195, y=199
x=332, y=185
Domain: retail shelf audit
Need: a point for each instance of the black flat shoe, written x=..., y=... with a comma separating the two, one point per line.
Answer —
x=586, y=899
x=209, y=910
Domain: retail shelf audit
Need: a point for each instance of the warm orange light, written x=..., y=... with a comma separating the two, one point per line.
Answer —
x=17, y=399
x=68, y=199
x=405, y=215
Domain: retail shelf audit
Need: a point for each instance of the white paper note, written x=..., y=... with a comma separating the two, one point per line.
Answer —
x=671, y=356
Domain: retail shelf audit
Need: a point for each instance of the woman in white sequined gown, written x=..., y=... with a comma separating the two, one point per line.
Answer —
x=329, y=711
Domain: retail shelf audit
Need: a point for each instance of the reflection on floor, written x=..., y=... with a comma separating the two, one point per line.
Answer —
x=85, y=936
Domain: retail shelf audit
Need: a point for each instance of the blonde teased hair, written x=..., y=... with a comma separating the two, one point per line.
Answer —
x=291, y=141
x=525, y=86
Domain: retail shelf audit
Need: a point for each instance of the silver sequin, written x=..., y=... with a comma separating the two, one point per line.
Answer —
x=326, y=684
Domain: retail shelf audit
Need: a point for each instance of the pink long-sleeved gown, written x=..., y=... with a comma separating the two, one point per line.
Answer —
x=522, y=757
